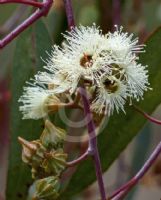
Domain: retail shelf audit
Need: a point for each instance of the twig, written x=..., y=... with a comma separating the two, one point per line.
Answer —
x=69, y=13
x=122, y=191
x=156, y=121
x=27, y=2
x=116, y=12
x=93, y=142
x=78, y=160
x=29, y=21
x=92, y=149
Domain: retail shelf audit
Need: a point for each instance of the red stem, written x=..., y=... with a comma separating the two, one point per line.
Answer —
x=69, y=13
x=93, y=142
x=122, y=191
x=92, y=149
x=116, y=12
x=27, y=2
x=156, y=121
x=29, y=21
x=78, y=160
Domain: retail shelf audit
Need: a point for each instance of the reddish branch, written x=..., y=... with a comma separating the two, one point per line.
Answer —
x=121, y=192
x=27, y=2
x=92, y=149
x=69, y=12
x=156, y=121
x=41, y=11
x=116, y=12
x=78, y=160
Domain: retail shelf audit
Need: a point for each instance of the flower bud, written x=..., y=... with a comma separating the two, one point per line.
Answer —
x=55, y=162
x=33, y=152
x=47, y=188
x=52, y=136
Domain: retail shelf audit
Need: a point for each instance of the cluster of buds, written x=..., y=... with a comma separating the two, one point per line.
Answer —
x=47, y=160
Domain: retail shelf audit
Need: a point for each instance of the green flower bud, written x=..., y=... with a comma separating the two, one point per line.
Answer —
x=55, y=162
x=33, y=152
x=47, y=188
x=52, y=136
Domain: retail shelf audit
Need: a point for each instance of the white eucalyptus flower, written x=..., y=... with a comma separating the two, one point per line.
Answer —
x=83, y=55
x=121, y=44
x=108, y=62
x=136, y=76
x=37, y=102
x=130, y=79
x=111, y=95
x=59, y=81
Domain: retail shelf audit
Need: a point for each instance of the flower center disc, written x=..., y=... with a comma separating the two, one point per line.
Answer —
x=86, y=61
x=111, y=86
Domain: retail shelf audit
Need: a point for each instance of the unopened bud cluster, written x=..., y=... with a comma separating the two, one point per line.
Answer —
x=47, y=160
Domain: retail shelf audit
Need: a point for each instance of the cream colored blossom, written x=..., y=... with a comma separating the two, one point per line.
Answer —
x=107, y=62
x=37, y=101
x=111, y=95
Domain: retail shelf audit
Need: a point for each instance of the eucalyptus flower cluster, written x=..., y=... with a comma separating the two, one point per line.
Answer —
x=107, y=65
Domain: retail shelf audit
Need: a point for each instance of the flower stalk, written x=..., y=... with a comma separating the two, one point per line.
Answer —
x=78, y=160
x=92, y=149
x=93, y=142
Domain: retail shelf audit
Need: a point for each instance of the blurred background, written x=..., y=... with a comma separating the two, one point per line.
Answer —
x=138, y=16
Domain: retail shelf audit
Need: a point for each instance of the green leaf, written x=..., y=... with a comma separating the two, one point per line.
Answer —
x=31, y=44
x=122, y=128
x=88, y=14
